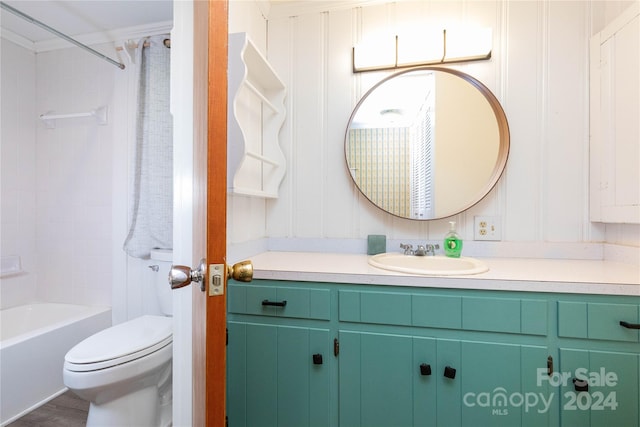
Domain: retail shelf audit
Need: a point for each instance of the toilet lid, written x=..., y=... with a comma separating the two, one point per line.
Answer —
x=120, y=343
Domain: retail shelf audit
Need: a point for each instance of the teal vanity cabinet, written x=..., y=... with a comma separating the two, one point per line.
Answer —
x=599, y=353
x=353, y=355
x=452, y=359
x=279, y=354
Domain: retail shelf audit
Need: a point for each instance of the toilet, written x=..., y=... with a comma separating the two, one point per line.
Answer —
x=125, y=371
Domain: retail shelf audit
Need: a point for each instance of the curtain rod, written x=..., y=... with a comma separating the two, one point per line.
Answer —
x=59, y=34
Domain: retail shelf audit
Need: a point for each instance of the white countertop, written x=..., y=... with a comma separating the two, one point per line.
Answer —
x=515, y=274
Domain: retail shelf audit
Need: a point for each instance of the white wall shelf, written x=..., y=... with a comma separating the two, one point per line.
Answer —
x=255, y=162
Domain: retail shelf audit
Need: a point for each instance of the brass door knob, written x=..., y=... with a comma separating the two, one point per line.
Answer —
x=241, y=271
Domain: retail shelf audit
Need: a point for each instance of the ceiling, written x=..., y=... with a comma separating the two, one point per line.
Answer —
x=79, y=17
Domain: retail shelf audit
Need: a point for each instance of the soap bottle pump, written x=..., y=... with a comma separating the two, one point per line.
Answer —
x=452, y=242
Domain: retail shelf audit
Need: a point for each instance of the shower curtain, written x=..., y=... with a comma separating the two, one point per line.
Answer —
x=151, y=204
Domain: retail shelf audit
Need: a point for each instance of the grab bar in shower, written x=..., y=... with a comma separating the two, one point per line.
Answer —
x=100, y=114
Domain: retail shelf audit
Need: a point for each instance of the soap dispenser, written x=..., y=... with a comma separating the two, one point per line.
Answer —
x=452, y=242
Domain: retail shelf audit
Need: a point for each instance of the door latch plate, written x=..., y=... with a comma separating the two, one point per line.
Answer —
x=216, y=279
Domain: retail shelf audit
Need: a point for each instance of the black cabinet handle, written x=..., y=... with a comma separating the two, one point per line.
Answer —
x=425, y=369
x=449, y=372
x=630, y=325
x=580, y=385
x=317, y=359
x=274, y=303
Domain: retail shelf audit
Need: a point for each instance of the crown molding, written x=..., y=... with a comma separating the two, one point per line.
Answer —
x=285, y=9
x=17, y=39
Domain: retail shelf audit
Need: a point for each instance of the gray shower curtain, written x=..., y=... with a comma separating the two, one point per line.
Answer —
x=151, y=204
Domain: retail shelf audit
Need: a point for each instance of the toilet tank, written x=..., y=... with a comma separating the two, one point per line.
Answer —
x=162, y=258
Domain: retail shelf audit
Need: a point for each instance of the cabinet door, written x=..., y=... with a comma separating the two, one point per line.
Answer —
x=449, y=390
x=500, y=385
x=614, y=108
x=273, y=379
x=380, y=379
x=612, y=394
x=461, y=383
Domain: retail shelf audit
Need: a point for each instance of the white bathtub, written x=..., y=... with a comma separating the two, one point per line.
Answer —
x=33, y=341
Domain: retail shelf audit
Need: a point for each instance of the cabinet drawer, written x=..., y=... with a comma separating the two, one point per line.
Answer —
x=388, y=308
x=510, y=315
x=437, y=311
x=302, y=303
x=598, y=320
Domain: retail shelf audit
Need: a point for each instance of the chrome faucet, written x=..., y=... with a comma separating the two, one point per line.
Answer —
x=408, y=249
x=422, y=250
x=431, y=249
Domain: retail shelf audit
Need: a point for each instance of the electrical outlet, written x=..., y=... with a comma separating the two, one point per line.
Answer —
x=487, y=228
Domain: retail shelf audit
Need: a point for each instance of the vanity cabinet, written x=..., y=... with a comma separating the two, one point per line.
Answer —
x=325, y=354
x=599, y=363
x=279, y=356
x=277, y=375
x=389, y=379
x=428, y=375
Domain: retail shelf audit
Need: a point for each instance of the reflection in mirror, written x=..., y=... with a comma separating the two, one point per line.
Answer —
x=427, y=143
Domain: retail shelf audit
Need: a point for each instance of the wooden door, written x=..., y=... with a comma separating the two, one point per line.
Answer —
x=210, y=118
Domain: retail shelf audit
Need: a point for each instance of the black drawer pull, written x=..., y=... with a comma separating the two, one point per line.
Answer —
x=317, y=359
x=630, y=325
x=274, y=303
x=580, y=385
x=449, y=372
x=425, y=369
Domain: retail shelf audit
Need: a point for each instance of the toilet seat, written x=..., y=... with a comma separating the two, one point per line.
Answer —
x=120, y=344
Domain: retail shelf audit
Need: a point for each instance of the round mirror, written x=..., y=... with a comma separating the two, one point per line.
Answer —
x=427, y=143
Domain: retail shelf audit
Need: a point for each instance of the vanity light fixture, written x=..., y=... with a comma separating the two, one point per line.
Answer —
x=377, y=53
x=415, y=49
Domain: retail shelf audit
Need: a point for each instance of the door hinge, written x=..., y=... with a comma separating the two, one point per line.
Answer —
x=227, y=339
x=336, y=347
x=226, y=421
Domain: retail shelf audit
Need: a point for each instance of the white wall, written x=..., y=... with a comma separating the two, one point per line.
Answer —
x=538, y=71
x=68, y=236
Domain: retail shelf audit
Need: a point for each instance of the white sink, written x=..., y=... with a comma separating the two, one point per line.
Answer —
x=428, y=265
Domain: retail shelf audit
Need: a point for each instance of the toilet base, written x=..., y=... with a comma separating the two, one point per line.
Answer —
x=139, y=409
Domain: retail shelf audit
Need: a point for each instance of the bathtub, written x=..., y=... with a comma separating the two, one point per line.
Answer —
x=33, y=341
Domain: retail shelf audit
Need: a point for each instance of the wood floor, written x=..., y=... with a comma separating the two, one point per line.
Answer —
x=66, y=410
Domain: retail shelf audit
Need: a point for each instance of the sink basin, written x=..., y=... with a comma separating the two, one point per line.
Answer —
x=428, y=265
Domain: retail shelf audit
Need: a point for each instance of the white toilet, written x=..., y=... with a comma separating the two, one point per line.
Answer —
x=125, y=371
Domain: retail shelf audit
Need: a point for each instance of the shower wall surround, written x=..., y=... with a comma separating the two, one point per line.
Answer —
x=18, y=170
x=538, y=71
x=57, y=186
x=64, y=190
x=74, y=182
